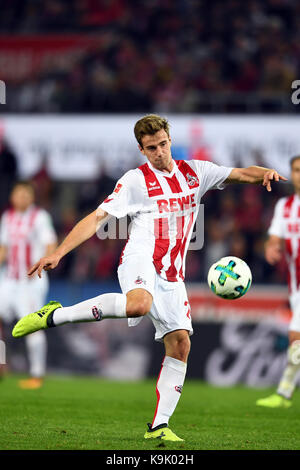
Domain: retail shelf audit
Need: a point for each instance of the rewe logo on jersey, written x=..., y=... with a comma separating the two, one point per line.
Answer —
x=293, y=228
x=175, y=204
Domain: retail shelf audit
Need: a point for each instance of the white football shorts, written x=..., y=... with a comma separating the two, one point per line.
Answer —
x=170, y=309
x=295, y=307
x=20, y=297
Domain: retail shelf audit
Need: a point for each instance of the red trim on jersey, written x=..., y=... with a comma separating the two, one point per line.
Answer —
x=288, y=206
x=33, y=215
x=13, y=262
x=117, y=188
x=174, y=184
x=157, y=391
x=171, y=273
x=182, y=249
x=153, y=186
x=162, y=242
x=20, y=226
x=16, y=220
x=10, y=214
x=189, y=174
x=28, y=257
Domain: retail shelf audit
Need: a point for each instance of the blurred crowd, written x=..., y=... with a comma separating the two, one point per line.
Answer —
x=161, y=55
x=236, y=223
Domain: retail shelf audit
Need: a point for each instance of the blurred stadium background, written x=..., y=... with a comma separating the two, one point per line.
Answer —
x=78, y=75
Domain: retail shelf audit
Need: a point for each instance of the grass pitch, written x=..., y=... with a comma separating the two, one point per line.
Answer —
x=88, y=413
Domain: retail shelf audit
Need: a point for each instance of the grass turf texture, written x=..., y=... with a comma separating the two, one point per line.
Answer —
x=89, y=413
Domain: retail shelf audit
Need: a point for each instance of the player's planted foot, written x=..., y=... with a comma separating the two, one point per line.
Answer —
x=161, y=432
x=31, y=384
x=36, y=321
x=274, y=401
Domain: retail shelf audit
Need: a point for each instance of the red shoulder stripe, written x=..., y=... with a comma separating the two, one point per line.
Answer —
x=153, y=186
x=189, y=174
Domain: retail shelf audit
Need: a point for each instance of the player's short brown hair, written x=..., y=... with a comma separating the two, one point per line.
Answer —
x=149, y=125
x=25, y=183
x=296, y=157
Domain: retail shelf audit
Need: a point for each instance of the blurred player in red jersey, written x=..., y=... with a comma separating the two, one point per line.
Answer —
x=26, y=233
x=284, y=236
x=162, y=198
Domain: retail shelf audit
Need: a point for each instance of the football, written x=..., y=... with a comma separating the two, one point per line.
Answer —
x=229, y=278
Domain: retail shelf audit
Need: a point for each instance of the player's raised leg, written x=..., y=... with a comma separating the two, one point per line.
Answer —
x=113, y=305
x=169, y=384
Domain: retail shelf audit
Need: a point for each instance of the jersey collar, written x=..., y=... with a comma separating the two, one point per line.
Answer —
x=159, y=172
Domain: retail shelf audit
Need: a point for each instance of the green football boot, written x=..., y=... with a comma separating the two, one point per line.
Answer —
x=161, y=432
x=274, y=401
x=39, y=320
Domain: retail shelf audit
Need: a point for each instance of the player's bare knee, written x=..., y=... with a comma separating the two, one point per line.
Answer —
x=178, y=346
x=184, y=346
x=181, y=354
x=138, y=306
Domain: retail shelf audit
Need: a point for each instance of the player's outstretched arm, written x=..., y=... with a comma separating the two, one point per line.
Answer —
x=273, y=249
x=81, y=232
x=255, y=175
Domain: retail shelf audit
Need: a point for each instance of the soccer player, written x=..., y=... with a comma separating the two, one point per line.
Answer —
x=284, y=236
x=162, y=197
x=26, y=233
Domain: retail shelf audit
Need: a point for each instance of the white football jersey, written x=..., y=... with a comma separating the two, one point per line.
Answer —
x=286, y=225
x=163, y=208
x=26, y=235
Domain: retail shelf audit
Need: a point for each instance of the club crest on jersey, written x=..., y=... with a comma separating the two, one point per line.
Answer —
x=192, y=180
x=139, y=280
x=178, y=388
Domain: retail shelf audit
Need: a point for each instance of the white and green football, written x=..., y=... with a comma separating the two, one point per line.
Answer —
x=229, y=278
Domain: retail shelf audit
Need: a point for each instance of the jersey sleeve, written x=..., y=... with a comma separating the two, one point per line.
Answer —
x=126, y=198
x=3, y=230
x=277, y=226
x=211, y=176
x=44, y=228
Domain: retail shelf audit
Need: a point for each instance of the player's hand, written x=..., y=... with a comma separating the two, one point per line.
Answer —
x=273, y=254
x=272, y=175
x=46, y=263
